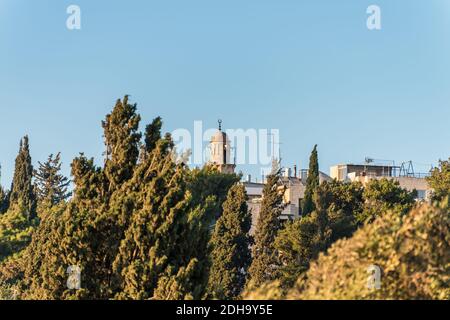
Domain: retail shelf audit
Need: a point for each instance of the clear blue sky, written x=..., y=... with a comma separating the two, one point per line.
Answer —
x=310, y=68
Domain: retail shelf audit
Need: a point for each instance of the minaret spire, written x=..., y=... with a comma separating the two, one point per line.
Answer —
x=220, y=147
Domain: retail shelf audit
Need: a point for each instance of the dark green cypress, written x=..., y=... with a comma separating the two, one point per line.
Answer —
x=153, y=134
x=230, y=247
x=122, y=143
x=312, y=182
x=155, y=205
x=22, y=190
x=264, y=264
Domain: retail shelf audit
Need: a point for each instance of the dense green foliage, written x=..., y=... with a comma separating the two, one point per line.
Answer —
x=230, y=247
x=440, y=181
x=413, y=253
x=384, y=195
x=145, y=226
x=340, y=209
x=19, y=206
x=149, y=250
x=15, y=232
x=300, y=241
x=265, y=260
x=138, y=227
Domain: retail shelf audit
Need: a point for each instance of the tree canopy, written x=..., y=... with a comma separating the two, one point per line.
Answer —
x=144, y=225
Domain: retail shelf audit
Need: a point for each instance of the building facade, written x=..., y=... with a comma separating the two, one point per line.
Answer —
x=295, y=186
x=367, y=172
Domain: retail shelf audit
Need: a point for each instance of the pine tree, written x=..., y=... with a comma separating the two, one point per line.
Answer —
x=264, y=264
x=51, y=185
x=122, y=143
x=312, y=182
x=22, y=191
x=230, y=244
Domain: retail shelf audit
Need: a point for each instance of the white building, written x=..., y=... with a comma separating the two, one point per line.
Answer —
x=369, y=171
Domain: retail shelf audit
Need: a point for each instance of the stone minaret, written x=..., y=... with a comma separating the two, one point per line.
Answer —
x=221, y=151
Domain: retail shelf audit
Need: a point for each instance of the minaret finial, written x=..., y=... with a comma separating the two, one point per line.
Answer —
x=220, y=124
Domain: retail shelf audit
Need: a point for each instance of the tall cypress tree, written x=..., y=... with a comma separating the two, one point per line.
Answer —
x=51, y=185
x=122, y=143
x=230, y=244
x=264, y=264
x=312, y=182
x=18, y=223
x=22, y=190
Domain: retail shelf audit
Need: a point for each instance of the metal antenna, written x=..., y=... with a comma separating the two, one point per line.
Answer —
x=273, y=143
x=220, y=124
